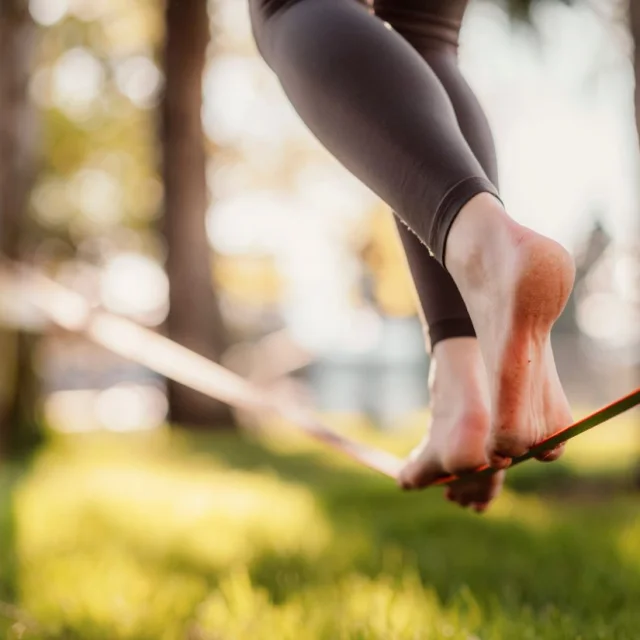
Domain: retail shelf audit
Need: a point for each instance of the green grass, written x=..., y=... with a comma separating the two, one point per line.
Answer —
x=167, y=537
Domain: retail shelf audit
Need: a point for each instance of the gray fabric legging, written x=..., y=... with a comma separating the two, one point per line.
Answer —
x=384, y=94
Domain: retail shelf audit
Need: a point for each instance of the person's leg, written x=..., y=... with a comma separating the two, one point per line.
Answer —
x=456, y=366
x=432, y=27
x=375, y=104
x=368, y=96
x=460, y=413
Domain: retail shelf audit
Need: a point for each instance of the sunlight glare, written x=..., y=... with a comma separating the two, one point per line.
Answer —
x=136, y=286
x=129, y=407
x=139, y=79
x=48, y=12
x=98, y=195
x=78, y=81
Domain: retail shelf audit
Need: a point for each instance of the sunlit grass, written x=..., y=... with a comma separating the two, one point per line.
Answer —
x=169, y=537
x=612, y=444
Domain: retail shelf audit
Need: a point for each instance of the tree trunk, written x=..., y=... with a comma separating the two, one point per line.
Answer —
x=634, y=28
x=194, y=317
x=634, y=31
x=18, y=381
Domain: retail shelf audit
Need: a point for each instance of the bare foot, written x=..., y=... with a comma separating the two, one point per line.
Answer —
x=459, y=427
x=515, y=284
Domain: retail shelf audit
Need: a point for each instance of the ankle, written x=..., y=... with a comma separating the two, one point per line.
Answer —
x=457, y=353
x=479, y=229
x=457, y=372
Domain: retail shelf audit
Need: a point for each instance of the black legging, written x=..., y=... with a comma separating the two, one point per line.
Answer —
x=389, y=102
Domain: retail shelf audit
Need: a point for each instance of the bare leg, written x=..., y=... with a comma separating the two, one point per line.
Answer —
x=374, y=103
x=527, y=401
x=460, y=401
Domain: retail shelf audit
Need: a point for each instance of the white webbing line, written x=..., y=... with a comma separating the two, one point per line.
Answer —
x=72, y=312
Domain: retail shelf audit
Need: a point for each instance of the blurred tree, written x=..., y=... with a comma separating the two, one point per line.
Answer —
x=388, y=284
x=588, y=256
x=194, y=318
x=629, y=11
x=18, y=380
x=634, y=28
x=523, y=9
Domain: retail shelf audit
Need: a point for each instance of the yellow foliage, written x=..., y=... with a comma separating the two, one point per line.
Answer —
x=254, y=279
x=384, y=256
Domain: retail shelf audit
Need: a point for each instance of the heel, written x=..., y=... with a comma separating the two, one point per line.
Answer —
x=547, y=279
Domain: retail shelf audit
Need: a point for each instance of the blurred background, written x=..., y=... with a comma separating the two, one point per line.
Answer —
x=150, y=162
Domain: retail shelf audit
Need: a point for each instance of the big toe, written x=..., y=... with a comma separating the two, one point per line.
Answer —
x=477, y=492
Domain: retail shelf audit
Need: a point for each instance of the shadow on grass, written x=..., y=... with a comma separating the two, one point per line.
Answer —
x=10, y=614
x=563, y=482
x=9, y=479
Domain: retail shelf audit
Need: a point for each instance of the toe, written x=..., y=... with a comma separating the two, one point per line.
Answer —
x=476, y=491
x=463, y=466
x=503, y=446
x=463, y=500
x=499, y=461
x=552, y=455
x=419, y=472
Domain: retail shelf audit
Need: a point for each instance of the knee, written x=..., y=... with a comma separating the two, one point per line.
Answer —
x=426, y=24
x=263, y=9
x=261, y=13
x=264, y=15
x=272, y=20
